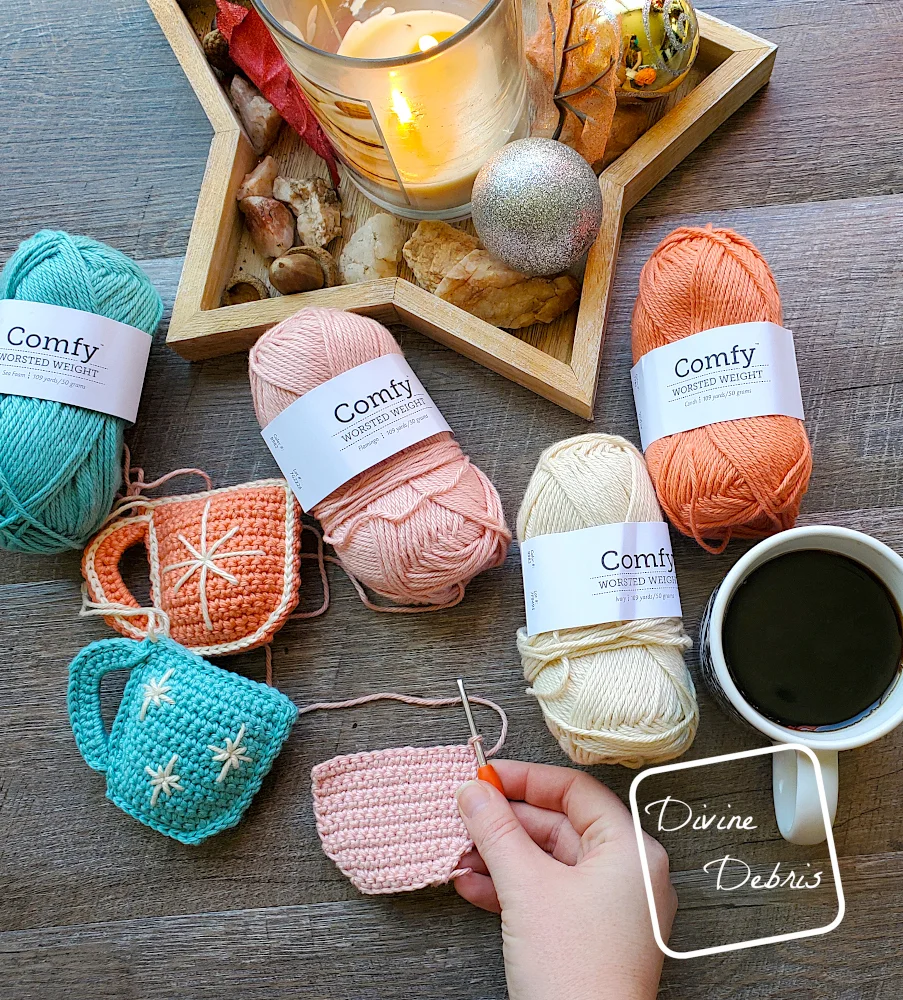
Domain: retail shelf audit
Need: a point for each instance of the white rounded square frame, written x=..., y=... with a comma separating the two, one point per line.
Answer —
x=829, y=839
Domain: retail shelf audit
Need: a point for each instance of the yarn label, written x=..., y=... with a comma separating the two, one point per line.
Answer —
x=728, y=373
x=349, y=424
x=593, y=576
x=70, y=356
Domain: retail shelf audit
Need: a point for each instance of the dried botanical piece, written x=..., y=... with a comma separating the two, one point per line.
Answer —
x=252, y=47
x=316, y=206
x=575, y=52
x=373, y=251
x=328, y=264
x=295, y=273
x=304, y=269
x=260, y=119
x=630, y=122
x=270, y=225
x=434, y=248
x=245, y=289
x=494, y=292
x=259, y=182
x=216, y=49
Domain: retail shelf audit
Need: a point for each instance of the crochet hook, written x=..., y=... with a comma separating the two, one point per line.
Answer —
x=485, y=770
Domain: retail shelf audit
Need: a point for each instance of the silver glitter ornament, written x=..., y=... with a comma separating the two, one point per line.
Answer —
x=537, y=206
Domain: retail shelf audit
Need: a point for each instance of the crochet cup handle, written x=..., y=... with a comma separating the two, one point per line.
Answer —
x=101, y=561
x=85, y=674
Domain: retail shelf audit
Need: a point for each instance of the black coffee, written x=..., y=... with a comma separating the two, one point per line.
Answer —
x=813, y=639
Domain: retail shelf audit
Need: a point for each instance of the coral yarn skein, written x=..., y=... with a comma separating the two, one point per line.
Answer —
x=416, y=527
x=738, y=478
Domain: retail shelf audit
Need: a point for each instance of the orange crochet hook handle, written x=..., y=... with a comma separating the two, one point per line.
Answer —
x=488, y=773
x=485, y=772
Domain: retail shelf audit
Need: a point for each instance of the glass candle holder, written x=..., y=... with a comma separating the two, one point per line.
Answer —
x=414, y=100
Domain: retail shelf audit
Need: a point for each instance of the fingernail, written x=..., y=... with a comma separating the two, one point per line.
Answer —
x=472, y=797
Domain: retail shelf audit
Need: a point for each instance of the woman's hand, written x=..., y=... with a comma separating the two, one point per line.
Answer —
x=560, y=863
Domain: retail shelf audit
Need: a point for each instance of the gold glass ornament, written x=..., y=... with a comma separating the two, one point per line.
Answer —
x=659, y=42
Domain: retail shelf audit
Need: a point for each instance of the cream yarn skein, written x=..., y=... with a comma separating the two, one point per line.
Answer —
x=618, y=693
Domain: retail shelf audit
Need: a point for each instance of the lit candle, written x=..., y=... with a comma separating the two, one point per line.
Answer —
x=413, y=101
x=389, y=34
x=420, y=114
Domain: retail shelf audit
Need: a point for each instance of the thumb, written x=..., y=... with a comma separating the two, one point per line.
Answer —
x=497, y=834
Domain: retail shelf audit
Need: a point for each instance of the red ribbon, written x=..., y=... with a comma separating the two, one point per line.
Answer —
x=253, y=50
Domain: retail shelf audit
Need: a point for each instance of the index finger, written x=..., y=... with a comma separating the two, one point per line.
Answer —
x=585, y=801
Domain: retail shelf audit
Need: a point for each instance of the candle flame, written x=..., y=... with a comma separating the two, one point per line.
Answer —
x=402, y=108
x=427, y=42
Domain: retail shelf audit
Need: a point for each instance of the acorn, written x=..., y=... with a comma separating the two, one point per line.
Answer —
x=216, y=49
x=245, y=289
x=304, y=269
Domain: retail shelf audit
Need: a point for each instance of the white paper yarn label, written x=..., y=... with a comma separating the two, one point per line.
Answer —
x=731, y=372
x=348, y=424
x=610, y=573
x=70, y=356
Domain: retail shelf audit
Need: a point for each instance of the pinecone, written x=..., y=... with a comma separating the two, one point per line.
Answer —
x=216, y=48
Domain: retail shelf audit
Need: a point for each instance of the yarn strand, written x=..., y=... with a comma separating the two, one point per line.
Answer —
x=409, y=699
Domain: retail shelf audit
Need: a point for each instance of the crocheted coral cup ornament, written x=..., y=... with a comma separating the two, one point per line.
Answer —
x=388, y=818
x=190, y=743
x=223, y=564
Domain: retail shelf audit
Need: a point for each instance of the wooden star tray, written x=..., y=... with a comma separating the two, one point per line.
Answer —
x=559, y=360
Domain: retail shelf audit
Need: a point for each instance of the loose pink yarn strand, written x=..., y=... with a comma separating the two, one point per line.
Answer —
x=409, y=699
x=321, y=566
x=137, y=488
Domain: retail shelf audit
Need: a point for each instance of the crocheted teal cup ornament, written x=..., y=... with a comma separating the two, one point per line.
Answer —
x=190, y=744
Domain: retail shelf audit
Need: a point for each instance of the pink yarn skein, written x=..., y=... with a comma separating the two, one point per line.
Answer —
x=416, y=527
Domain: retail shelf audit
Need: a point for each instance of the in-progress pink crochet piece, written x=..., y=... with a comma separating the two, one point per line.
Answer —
x=388, y=818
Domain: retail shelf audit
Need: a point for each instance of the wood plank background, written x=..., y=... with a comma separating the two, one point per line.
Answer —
x=102, y=135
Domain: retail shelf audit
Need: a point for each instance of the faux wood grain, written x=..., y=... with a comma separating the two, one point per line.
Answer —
x=827, y=125
x=78, y=861
x=114, y=126
x=434, y=947
x=93, y=904
x=101, y=132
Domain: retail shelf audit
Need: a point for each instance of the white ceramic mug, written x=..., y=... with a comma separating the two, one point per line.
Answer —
x=796, y=800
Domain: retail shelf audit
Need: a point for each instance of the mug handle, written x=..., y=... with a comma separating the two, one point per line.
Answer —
x=796, y=803
x=86, y=672
x=100, y=568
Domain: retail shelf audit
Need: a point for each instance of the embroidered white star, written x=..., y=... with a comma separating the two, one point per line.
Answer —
x=203, y=561
x=156, y=692
x=231, y=755
x=163, y=780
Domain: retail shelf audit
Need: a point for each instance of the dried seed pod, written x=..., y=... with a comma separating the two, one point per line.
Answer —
x=270, y=223
x=296, y=273
x=284, y=273
x=216, y=49
x=245, y=289
x=327, y=262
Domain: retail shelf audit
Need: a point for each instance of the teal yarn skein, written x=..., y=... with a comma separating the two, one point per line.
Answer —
x=60, y=465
